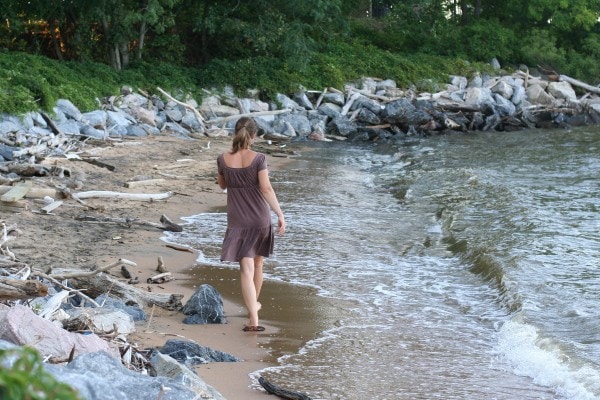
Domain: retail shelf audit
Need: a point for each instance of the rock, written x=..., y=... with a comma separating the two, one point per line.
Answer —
x=98, y=376
x=341, y=126
x=536, y=94
x=562, y=90
x=167, y=366
x=68, y=109
x=190, y=353
x=19, y=325
x=204, y=307
x=100, y=320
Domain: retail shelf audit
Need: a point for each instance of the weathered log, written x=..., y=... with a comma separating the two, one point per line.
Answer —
x=70, y=273
x=145, y=182
x=16, y=289
x=161, y=278
x=29, y=169
x=17, y=192
x=170, y=225
x=53, y=127
x=196, y=112
x=51, y=207
x=279, y=392
x=68, y=289
x=34, y=192
x=120, y=195
x=583, y=85
x=164, y=226
x=180, y=248
x=97, y=163
x=96, y=285
x=14, y=206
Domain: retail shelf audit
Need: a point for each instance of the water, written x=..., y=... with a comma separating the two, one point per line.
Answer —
x=470, y=263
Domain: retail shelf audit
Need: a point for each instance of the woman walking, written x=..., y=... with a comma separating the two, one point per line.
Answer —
x=250, y=198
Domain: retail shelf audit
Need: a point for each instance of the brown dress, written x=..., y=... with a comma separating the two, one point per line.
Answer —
x=249, y=227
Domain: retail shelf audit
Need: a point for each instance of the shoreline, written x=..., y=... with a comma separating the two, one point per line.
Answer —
x=61, y=240
x=230, y=379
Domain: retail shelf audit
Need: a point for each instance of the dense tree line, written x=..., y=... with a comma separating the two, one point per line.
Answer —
x=556, y=33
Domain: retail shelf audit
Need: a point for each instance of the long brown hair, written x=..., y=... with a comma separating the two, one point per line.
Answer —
x=245, y=132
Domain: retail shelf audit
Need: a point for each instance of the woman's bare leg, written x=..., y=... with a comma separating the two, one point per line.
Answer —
x=258, y=275
x=247, y=272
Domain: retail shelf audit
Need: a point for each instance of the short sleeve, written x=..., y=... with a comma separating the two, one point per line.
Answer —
x=261, y=162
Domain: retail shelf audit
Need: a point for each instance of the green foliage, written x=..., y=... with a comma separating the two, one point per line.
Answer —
x=539, y=48
x=484, y=40
x=28, y=380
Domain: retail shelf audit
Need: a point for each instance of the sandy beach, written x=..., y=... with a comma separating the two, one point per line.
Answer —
x=188, y=169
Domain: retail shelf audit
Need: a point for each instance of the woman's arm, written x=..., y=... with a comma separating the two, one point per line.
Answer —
x=221, y=181
x=269, y=194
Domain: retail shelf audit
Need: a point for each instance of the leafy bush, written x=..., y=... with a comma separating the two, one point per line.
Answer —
x=539, y=47
x=28, y=380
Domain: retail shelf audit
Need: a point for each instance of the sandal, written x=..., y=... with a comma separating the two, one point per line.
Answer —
x=256, y=328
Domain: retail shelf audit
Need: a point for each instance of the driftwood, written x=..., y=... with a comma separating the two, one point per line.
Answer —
x=583, y=85
x=121, y=195
x=97, y=284
x=196, y=112
x=65, y=287
x=17, y=192
x=16, y=289
x=279, y=392
x=180, y=248
x=165, y=225
x=51, y=207
x=145, y=182
x=34, y=192
x=97, y=163
x=29, y=169
x=252, y=114
x=161, y=278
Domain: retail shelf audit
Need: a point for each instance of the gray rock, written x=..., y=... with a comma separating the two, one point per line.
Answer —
x=286, y=102
x=537, y=95
x=190, y=353
x=365, y=115
x=68, y=109
x=10, y=126
x=299, y=122
x=98, y=376
x=90, y=131
x=70, y=127
x=302, y=99
x=334, y=98
x=174, y=114
x=167, y=366
x=96, y=119
x=6, y=151
x=110, y=302
x=342, y=126
x=562, y=90
x=330, y=109
x=204, y=307
x=136, y=131
x=190, y=121
x=119, y=118
x=476, y=96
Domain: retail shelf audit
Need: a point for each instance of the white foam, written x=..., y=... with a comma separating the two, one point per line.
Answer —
x=538, y=358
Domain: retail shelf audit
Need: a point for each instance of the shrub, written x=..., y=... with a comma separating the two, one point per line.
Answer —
x=27, y=378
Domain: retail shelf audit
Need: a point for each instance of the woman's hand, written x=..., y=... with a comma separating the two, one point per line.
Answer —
x=281, y=224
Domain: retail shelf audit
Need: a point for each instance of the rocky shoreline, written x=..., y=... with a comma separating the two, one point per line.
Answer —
x=38, y=178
